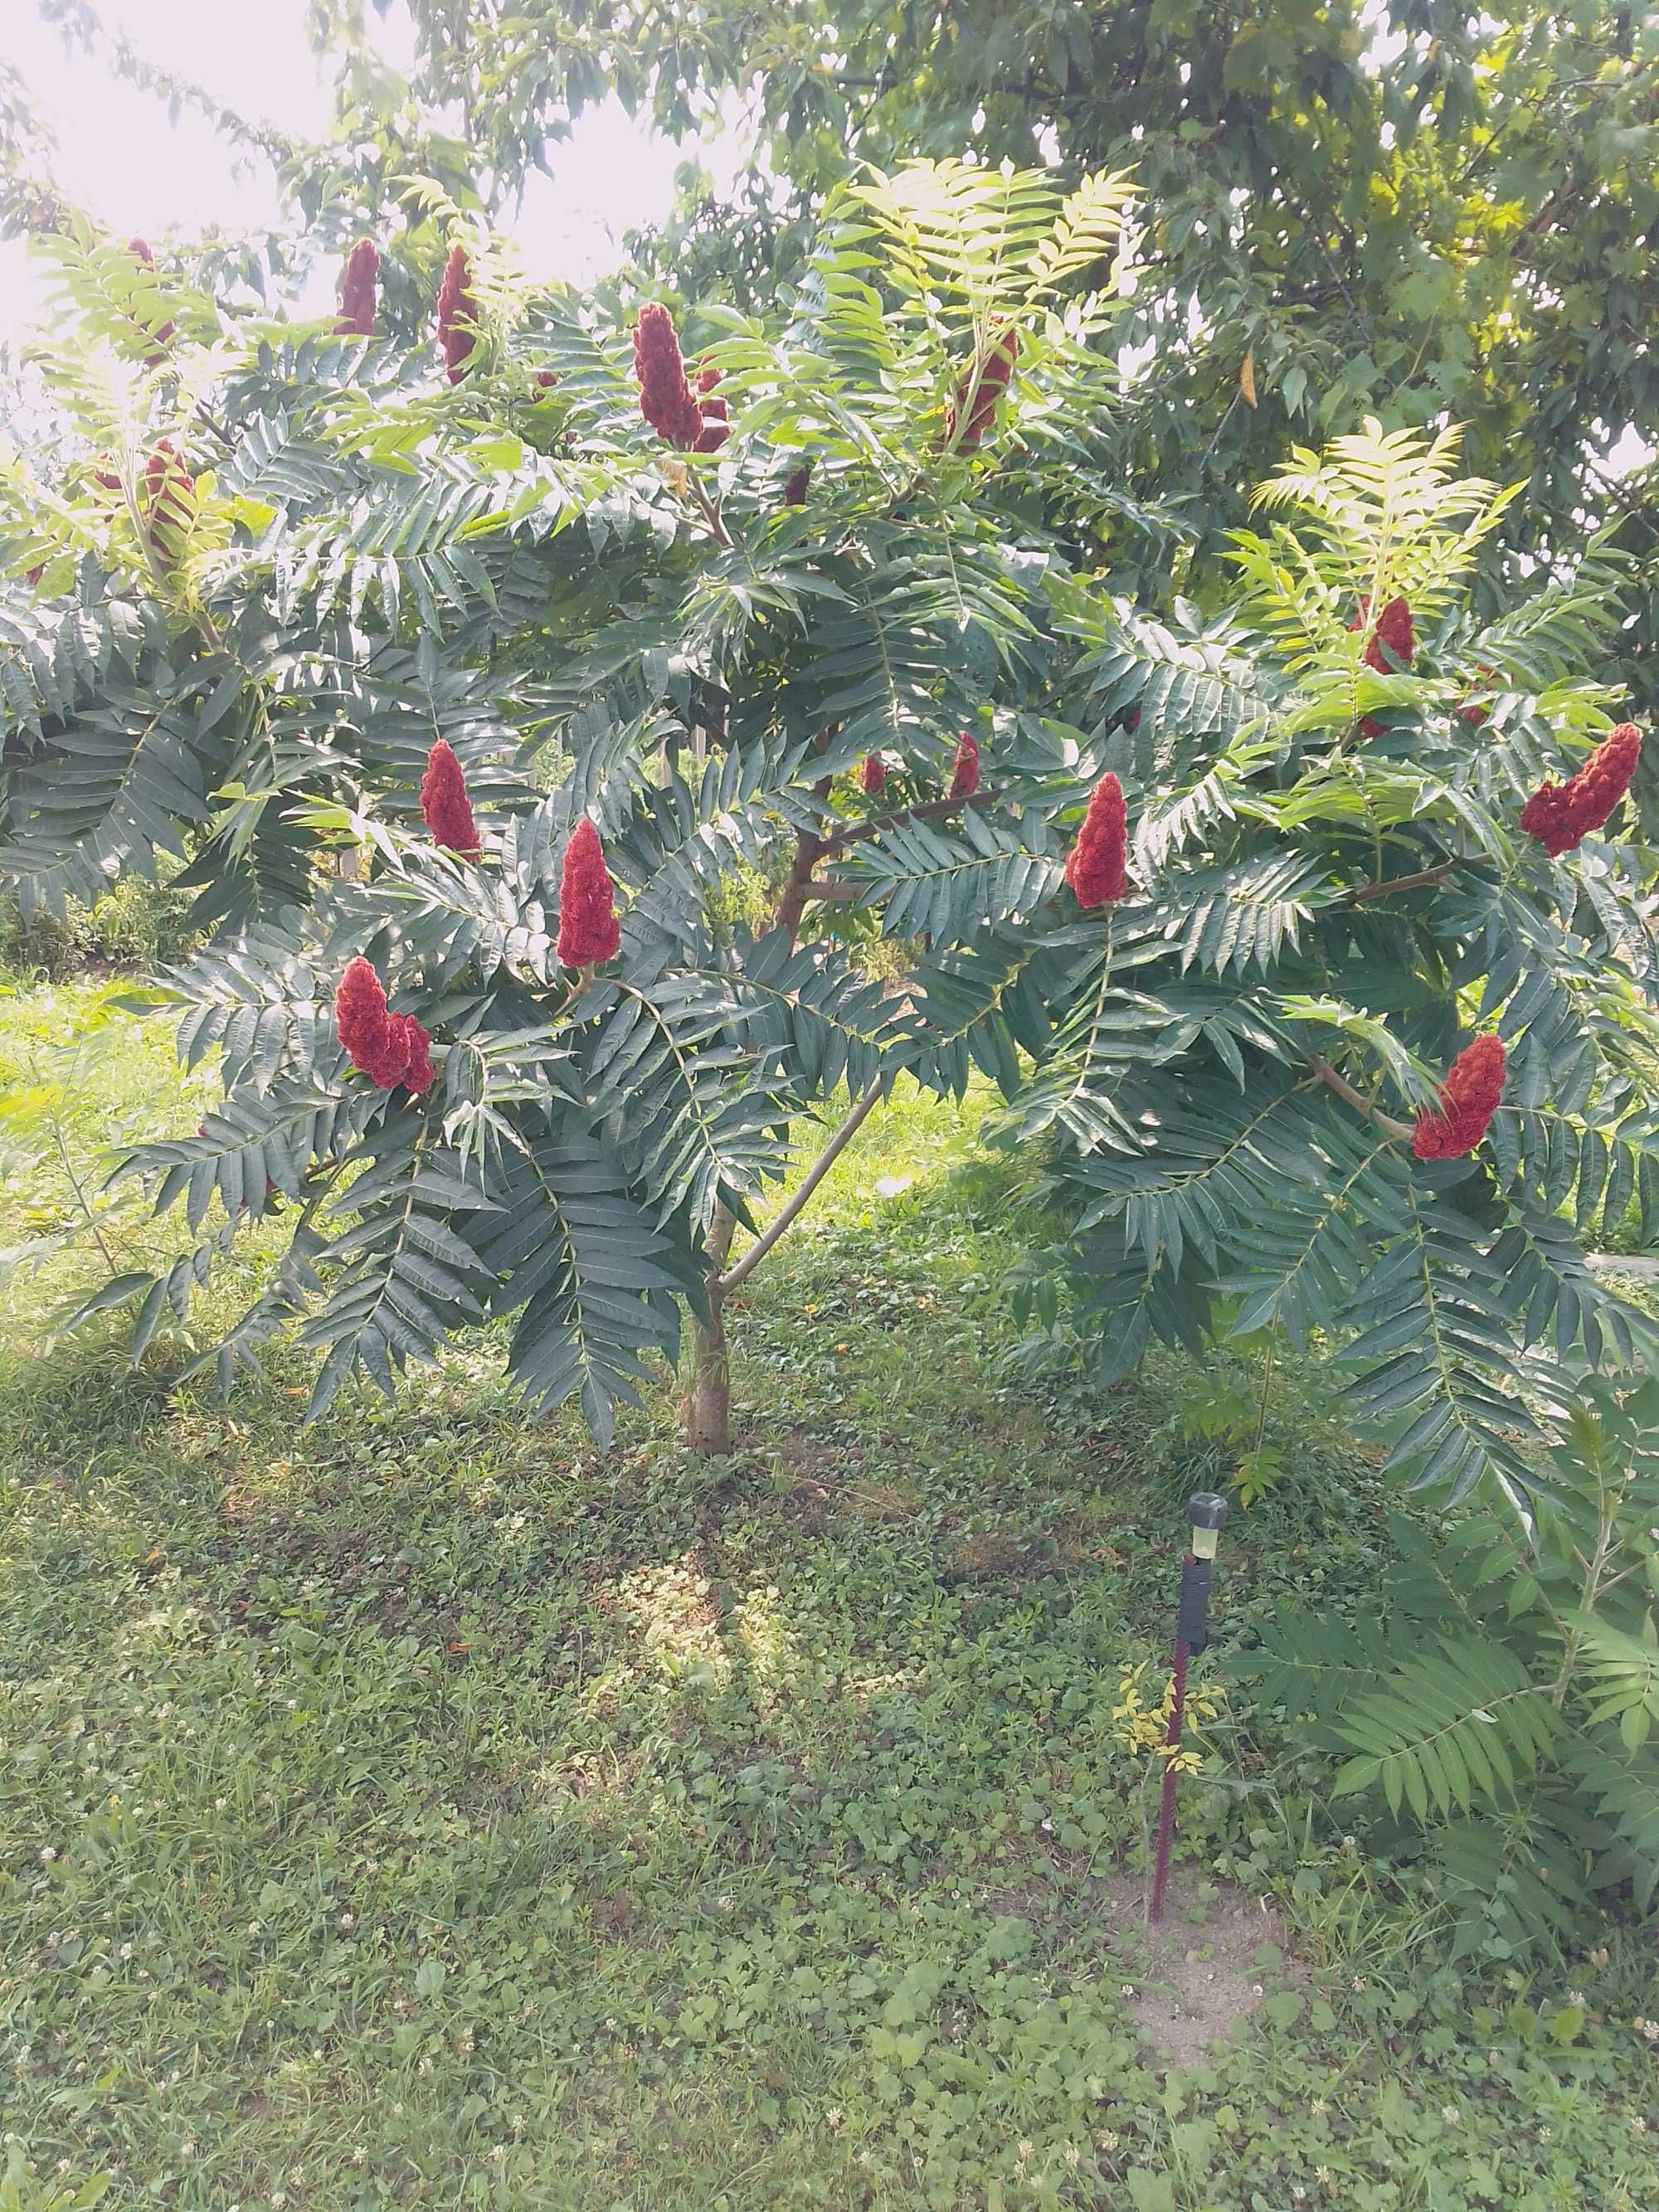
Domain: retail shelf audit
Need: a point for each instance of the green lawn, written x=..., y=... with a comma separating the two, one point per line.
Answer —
x=421, y=1808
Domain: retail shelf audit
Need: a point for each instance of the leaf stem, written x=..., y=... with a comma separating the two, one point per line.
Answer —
x=791, y=1212
x=1345, y=1091
x=1382, y=889
x=711, y=512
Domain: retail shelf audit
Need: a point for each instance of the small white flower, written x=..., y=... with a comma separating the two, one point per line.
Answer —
x=1324, y=2177
x=1106, y=2141
x=1026, y=2148
x=1129, y=1989
x=1320, y=2107
x=498, y=2156
x=126, y=1950
x=1298, y=2194
x=348, y=1920
x=1577, y=1998
x=62, y=2166
x=1359, y=1981
x=1451, y=2115
x=47, y=1854
x=1547, y=2135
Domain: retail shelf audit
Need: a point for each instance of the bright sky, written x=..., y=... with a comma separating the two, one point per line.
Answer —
x=120, y=158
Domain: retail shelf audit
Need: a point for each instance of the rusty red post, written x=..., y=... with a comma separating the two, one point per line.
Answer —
x=1207, y=1513
x=1166, y=1800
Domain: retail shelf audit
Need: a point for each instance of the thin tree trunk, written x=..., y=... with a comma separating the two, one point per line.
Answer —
x=707, y=1408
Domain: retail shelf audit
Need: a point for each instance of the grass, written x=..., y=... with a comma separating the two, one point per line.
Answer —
x=423, y=1809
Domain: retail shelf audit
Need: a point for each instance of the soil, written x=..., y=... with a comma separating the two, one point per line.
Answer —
x=1203, y=1974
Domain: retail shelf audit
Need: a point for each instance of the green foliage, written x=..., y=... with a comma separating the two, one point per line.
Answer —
x=1518, y=1732
x=48, y=1108
x=1440, y=216
x=1213, y=1185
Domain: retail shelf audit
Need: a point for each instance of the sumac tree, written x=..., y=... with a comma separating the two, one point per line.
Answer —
x=530, y=714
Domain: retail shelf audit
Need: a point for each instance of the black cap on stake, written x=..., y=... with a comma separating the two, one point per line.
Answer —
x=1206, y=1509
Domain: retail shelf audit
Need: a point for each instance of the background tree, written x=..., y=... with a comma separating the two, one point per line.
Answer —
x=1422, y=212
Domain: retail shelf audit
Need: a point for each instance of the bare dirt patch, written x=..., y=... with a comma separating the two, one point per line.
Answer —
x=1201, y=1975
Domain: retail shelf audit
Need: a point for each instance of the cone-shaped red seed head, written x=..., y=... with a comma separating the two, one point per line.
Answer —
x=1393, y=629
x=965, y=782
x=417, y=1070
x=139, y=248
x=1468, y=1099
x=359, y=291
x=389, y=1048
x=795, y=485
x=992, y=383
x=712, y=414
x=360, y=1008
x=457, y=314
x=444, y=804
x=872, y=775
x=1098, y=868
x=1562, y=815
x=666, y=400
x=588, y=928
x=402, y=1055
x=166, y=501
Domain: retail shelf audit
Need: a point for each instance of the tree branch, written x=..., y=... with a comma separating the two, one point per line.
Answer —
x=711, y=512
x=791, y=1212
x=1370, y=891
x=930, y=810
x=1328, y=1075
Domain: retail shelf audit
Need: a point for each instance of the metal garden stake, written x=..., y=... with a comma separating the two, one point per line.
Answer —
x=1207, y=1512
